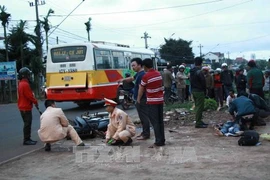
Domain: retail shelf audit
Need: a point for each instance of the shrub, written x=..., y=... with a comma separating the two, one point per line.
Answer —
x=210, y=104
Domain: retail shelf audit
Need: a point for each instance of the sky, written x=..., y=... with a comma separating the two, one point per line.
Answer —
x=237, y=28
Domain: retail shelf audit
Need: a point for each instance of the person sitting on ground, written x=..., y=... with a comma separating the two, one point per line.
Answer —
x=230, y=98
x=121, y=128
x=54, y=126
x=243, y=112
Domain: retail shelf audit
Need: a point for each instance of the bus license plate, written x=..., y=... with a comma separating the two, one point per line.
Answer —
x=121, y=97
x=67, y=78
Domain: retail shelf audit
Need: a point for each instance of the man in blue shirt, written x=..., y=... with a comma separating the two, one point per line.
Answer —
x=142, y=107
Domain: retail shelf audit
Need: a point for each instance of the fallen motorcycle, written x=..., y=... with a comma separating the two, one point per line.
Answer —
x=91, y=125
x=126, y=99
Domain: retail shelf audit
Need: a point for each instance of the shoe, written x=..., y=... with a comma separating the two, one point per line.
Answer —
x=201, y=126
x=156, y=145
x=203, y=123
x=117, y=143
x=29, y=142
x=142, y=138
x=47, y=147
x=129, y=141
x=81, y=144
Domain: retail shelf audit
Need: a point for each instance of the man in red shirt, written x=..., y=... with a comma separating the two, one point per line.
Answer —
x=25, y=104
x=152, y=84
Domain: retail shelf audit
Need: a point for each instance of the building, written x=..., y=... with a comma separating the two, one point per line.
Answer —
x=214, y=57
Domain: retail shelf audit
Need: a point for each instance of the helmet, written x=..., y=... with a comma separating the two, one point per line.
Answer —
x=205, y=68
x=224, y=65
x=127, y=75
x=24, y=73
x=211, y=71
x=218, y=70
x=181, y=67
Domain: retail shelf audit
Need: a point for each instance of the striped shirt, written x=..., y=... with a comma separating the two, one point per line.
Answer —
x=152, y=82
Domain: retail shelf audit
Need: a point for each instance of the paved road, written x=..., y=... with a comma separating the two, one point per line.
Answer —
x=11, y=124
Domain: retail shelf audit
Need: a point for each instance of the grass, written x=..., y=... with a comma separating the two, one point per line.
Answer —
x=176, y=105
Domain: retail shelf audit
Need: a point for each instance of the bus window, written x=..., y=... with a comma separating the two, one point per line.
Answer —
x=144, y=56
x=103, y=60
x=119, y=60
x=136, y=55
x=68, y=54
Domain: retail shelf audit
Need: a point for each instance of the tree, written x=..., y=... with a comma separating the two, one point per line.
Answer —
x=177, y=51
x=4, y=18
x=45, y=24
x=18, y=40
x=262, y=64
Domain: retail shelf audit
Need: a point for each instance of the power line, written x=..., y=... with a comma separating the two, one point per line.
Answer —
x=189, y=17
x=66, y=18
x=144, y=10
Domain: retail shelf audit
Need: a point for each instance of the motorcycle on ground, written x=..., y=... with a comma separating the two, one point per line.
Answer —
x=91, y=125
x=126, y=99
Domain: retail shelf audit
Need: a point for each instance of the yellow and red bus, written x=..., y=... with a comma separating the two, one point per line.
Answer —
x=87, y=72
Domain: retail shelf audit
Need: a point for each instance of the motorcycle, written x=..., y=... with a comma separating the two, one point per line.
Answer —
x=172, y=98
x=126, y=99
x=91, y=125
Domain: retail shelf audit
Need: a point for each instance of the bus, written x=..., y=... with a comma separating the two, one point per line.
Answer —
x=88, y=72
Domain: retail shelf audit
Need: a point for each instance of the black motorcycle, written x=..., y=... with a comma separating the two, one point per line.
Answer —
x=126, y=99
x=91, y=125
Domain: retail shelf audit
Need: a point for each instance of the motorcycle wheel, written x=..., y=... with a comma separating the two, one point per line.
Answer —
x=125, y=104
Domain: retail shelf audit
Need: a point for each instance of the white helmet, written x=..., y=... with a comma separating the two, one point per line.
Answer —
x=224, y=64
x=218, y=70
x=182, y=67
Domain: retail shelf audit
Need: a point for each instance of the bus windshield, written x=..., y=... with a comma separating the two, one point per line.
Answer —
x=69, y=53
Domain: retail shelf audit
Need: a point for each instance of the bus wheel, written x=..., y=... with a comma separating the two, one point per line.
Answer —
x=83, y=104
x=117, y=96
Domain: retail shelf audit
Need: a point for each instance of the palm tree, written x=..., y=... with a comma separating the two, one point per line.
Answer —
x=46, y=25
x=18, y=40
x=88, y=28
x=4, y=18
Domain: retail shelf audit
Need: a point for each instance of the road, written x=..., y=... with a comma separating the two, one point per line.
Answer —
x=11, y=134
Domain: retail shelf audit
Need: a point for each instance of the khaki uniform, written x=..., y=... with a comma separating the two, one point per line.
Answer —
x=54, y=126
x=120, y=127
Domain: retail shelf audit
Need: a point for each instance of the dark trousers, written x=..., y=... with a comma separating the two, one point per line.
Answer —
x=167, y=93
x=227, y=90
x=143, y=112
x=219, y=96
x=27, y=120
x=156, y=118
x=258, y=91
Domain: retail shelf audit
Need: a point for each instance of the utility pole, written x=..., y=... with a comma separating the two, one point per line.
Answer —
x=145, y=37
x=228, y=53
x=88, y=28
x=200, y=46
x=36, y=4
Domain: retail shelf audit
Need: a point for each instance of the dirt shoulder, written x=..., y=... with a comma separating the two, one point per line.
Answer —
x=189, y=154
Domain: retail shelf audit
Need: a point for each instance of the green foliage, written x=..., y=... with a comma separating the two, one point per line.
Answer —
x=177, y=51
x=178, y=105
x=210, y=104
x=262, y=64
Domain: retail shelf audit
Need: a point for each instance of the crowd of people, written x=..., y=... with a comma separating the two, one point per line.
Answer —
x=150, y=87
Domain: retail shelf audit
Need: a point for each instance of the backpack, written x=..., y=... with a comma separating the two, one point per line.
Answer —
x=249, y=138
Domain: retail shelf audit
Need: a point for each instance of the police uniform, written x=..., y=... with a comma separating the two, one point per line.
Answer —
x=120, y=127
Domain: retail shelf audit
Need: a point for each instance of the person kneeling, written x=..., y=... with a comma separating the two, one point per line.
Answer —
x=121, y=128
x=54, y=126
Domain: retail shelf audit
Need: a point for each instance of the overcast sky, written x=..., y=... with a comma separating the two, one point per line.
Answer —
x=240, y=27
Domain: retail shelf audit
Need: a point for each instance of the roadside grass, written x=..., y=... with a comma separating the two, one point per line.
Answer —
x=176, y=105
